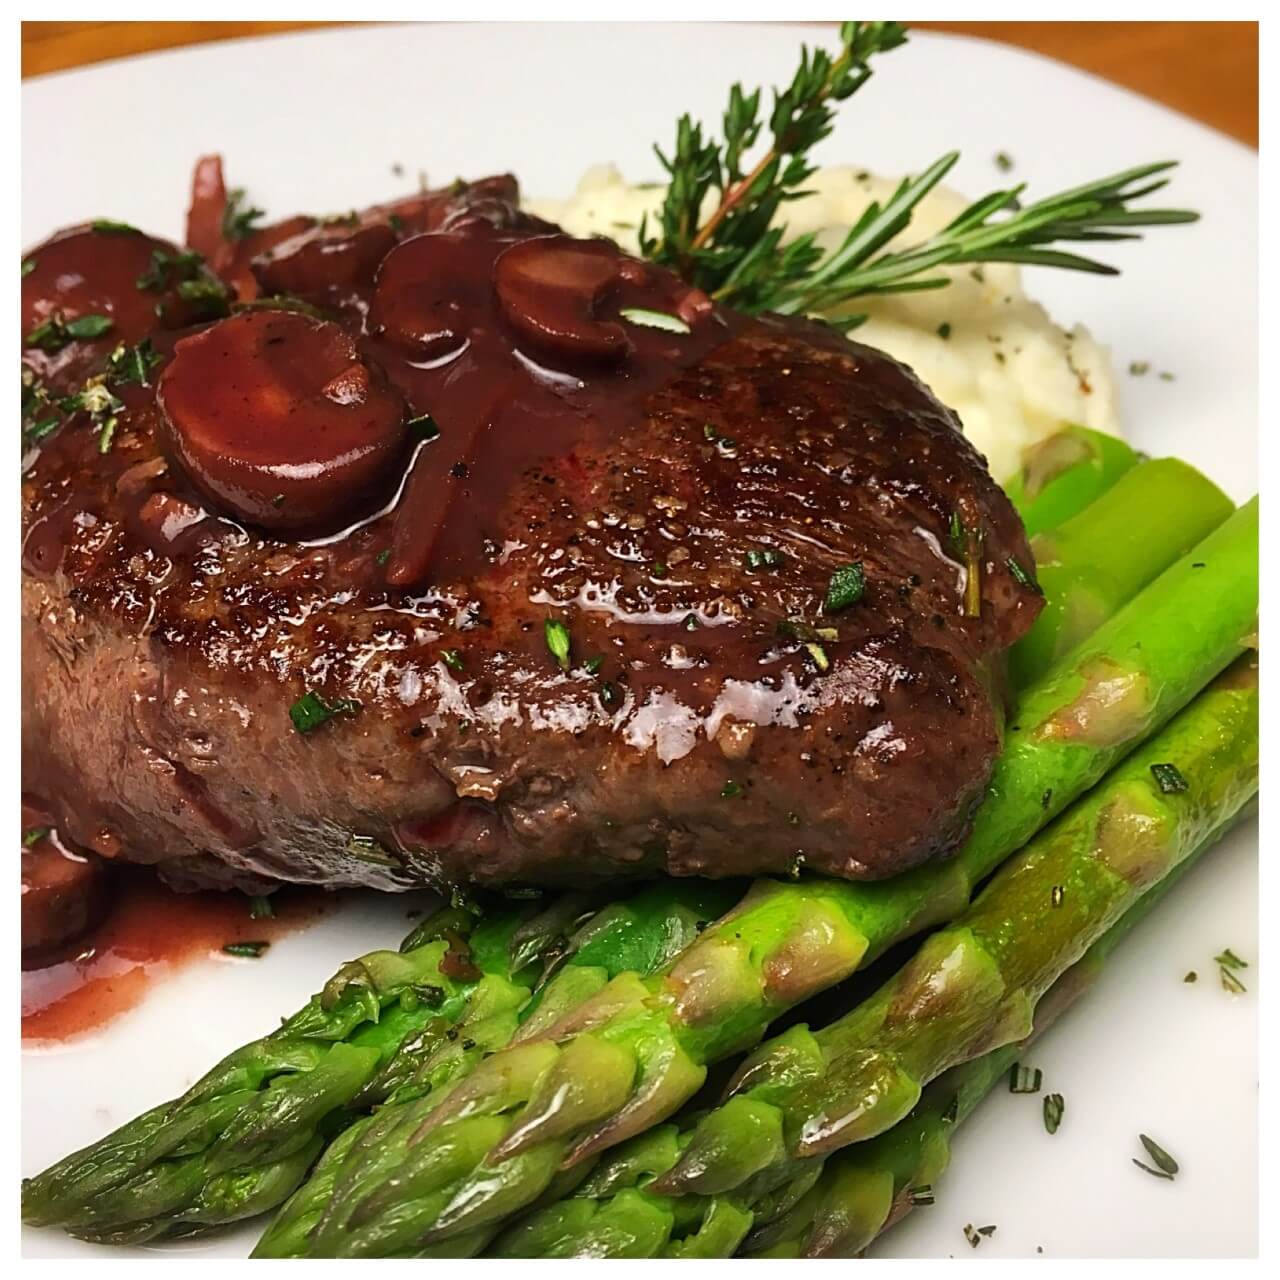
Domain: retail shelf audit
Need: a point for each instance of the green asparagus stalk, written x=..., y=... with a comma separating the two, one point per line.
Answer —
x=635, y=1052
x=1091, y=565
x=860, y=1192
x=974, y=985
x=1064, y=474
x=399, y=1024
x=867, y=1188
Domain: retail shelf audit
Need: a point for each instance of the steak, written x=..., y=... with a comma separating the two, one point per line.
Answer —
x=465, y=552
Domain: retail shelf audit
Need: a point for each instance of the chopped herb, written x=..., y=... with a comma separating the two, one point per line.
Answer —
x=730, y=789
x=923, y=1194
x=944, y=330
x=111, y=228
x=28, y=266
x=1166, y=376
x=92, y=326
x=34, y=835
x=1056, y=895
x=1139, y=368
x=708, y=431
x=1228, y=962
x=451, y=659
x=423, y=427
x=1190, y=976
x=395, y=222
x=245, y=950
x=38, y=430
x=592, y=665
x=557, y=636
x=845, y=588
x=260, y=908
x=107, y=434
x=971, y=1235
x=1165, y=1165
x=794, y=629
x=654, y=319
x=169, y=268
x=819, y=656
x=311, y=710
x=691, y=622
x=367, y=849
x=608, y=695
x=769, y=558
x=1025, y=1079
x=1169, y=778
x=210, y=298
x=383, y=556
x=955, y=533
x=1022, y=577
x=1004, y=161
x=127, y=365
x=237, y=222
x=658, y=570
x=987, y=1231
x=1054, y=1106
x=55, y=333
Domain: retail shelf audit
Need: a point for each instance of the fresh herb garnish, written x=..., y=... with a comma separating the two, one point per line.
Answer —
x=28, y=266
x=819, y=655
x=169, y=268
x=845, y=588
x=730, y=789
x=1054, y=1107
x=690, y=622
x=768, y=558
x=109, y=227
x=1169, y=778
x=1004, y=161
x=654, y=319
x=33, y=835
x=1165, y=1165
x=1190, y=976
x=245, y=950
x=451, y=659
x=209, y=298
x=1021, y=576
x=133, y=364
x=423, y=427
x=55, y=333
x=557, y=636
x=312, y=710
x=260, y=908
x=367, y=849
x=237, y=222
x=1025, y=1079
x=592, y=665
x=738, y=256
x=944, y=330
x=1228, y=962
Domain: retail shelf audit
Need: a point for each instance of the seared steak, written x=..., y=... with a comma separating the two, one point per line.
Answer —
x=459, y=569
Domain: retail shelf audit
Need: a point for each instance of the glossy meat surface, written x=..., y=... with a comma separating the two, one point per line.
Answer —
x=672, y=505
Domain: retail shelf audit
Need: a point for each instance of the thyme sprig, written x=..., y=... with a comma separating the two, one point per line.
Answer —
x=736, y=252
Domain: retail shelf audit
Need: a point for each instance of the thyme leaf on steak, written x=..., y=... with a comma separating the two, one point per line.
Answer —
x=736, y=250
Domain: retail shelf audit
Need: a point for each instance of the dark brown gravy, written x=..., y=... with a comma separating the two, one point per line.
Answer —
x=148, y=934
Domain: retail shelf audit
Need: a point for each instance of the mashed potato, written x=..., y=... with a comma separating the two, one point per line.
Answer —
x=981, y=344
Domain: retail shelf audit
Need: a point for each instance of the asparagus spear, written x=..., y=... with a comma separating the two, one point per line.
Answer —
x=1090, y=565
x=1064, y=474
x=973, y=986
x=860, y=1191
x=632, y=1054
x=401, y=1024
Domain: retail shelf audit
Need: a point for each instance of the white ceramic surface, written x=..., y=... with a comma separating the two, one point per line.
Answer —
x=315, y=121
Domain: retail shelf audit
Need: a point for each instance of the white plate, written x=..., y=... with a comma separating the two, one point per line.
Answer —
x=315, y=121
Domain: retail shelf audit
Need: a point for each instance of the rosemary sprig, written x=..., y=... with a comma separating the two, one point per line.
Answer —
x=737, y=252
